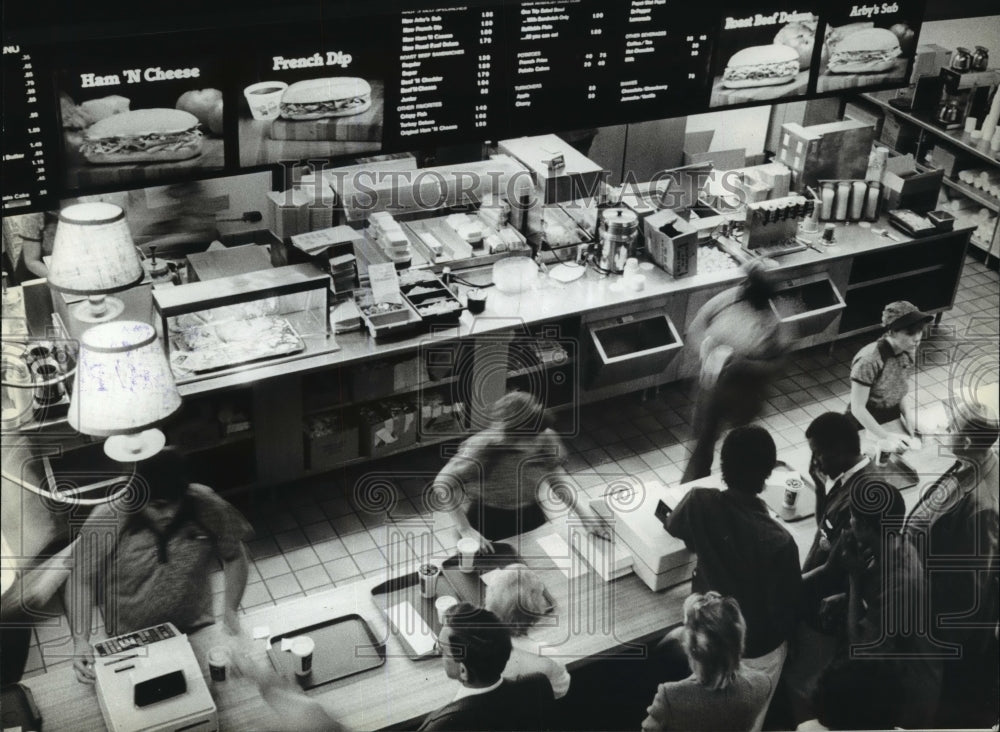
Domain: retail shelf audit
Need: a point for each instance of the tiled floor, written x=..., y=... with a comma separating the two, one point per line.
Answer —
x=315, y=535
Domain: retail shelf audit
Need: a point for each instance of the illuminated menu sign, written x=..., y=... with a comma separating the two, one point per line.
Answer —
x=448, y=74
x=27, y=164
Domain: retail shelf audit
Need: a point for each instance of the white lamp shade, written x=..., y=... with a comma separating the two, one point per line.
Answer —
x=93, y=253
x=123, y=381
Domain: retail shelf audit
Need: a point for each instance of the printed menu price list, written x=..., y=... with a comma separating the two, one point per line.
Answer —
x=448, y=75
x=24, y=159
x=665, y=56
x=560, y=59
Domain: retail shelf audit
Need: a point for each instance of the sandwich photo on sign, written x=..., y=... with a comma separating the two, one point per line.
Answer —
x=763, y=55
x=868, y=46
x=140, y=118
x=318, y=99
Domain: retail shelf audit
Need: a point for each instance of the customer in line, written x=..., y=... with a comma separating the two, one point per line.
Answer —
x=836, y=467
x=152, y=552
x=958, y=521
x=857, y=694
x=494, y=480
x=885, y=589
x=516, y=596
x=476, y=647
x=742, y=551
x=742, y=348
x=881, y=373
x=722, y=692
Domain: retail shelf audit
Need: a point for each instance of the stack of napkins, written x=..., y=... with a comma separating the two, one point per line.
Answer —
x=495, y=212
x=346, y=317
x=610, y=559
x=390, y=236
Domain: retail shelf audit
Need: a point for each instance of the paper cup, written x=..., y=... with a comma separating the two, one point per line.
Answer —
x=792, y=488
x=264, y=99
x=467, y=549
x=882, y=452
x=302, y=652
x=428, y=574
x=442, y=604
x=218, y=661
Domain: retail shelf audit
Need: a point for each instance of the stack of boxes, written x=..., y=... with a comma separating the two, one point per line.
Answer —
x=391, y=237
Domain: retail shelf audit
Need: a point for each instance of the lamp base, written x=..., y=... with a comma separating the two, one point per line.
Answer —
x=97, y=310
x=133, y=448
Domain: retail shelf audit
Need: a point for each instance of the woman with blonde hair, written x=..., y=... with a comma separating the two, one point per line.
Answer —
x=517, y=596
x=722, y=693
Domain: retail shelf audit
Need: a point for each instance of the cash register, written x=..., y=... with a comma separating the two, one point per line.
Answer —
x=150, y=680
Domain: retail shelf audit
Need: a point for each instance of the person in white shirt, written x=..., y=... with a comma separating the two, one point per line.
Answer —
x=517, y=597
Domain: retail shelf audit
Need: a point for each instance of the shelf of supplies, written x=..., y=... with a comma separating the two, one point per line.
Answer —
x=969, y=192
x=540, y=367
x=963, y=140
x=391, y=453
x=313, y=411
x=893, y=277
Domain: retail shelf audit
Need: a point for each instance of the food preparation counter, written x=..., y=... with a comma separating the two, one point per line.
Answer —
x=591, y=617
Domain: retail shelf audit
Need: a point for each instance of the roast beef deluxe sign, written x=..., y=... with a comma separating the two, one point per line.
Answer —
x=760, y=19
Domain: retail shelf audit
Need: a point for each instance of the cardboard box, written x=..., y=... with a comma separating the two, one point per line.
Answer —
x=660, y=560
x=287, y=212
x=672, y=243
x=929, y=59
x=907, y=184
x=831, y=151
x=330, y=441
x=406, y=374
x=387, y=427
x=696, y=150
x=561, y=172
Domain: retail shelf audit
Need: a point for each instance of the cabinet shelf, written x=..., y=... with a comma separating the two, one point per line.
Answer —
x=221, y=442
x=973, y=194
x=894, y=277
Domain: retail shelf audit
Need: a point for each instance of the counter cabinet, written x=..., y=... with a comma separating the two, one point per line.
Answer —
x=571, y=345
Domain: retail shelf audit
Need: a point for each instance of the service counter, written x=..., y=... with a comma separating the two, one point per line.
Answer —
x=613, y=340
x=592, y=617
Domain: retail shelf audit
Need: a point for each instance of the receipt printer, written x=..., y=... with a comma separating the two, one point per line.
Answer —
x=637, y=512
x=150, y=680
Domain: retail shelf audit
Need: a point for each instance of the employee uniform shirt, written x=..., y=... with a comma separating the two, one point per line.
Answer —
x=149, y=578
x=745, y=553
x=887, y=374
x=503, y=472
x=687, y=705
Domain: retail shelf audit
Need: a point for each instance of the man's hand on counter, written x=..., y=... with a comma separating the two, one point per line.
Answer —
x=83, y=661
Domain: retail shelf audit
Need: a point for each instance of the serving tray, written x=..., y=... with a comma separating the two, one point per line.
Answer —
x=470, y=587
x=345, y=646
x=417, y=642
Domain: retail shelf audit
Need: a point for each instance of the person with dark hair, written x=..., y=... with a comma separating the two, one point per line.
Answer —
x=722, y=692
x=857, y=694
x=881, y=373
x=492, y=483
x=151, y=552
x=742, y=348
x=742, y=551
x=886, y=588
x=957, y=519
x=476, y=646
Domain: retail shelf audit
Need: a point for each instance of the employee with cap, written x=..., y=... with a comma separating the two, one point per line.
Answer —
x=881, y=371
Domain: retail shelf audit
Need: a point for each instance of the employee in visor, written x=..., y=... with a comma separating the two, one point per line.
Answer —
x=881, y=373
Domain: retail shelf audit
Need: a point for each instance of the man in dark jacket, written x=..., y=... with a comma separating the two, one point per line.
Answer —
x=475, y=646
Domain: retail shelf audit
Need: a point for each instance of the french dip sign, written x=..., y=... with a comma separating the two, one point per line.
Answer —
x=316, y=60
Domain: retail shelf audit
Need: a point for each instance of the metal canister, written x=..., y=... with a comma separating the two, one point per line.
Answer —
x=961, y=60
x=618, y=233
x=981, y=59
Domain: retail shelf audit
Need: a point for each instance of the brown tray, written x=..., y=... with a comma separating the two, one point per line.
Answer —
x=469, y=586
x=774, y=495
x=345, y=646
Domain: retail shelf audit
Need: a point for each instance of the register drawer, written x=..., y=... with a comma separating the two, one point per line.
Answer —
x=630, y=346
x=809, y=304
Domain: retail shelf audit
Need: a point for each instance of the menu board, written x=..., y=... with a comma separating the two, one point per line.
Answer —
x=133, y=114
x=869, y=45
x=313, y=95
x=764, y=55
x=449, y=75
x=607, y=62
x=28, y=162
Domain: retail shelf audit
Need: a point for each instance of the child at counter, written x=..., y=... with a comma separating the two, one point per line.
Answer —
x=494, y=479
x=881, y=373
